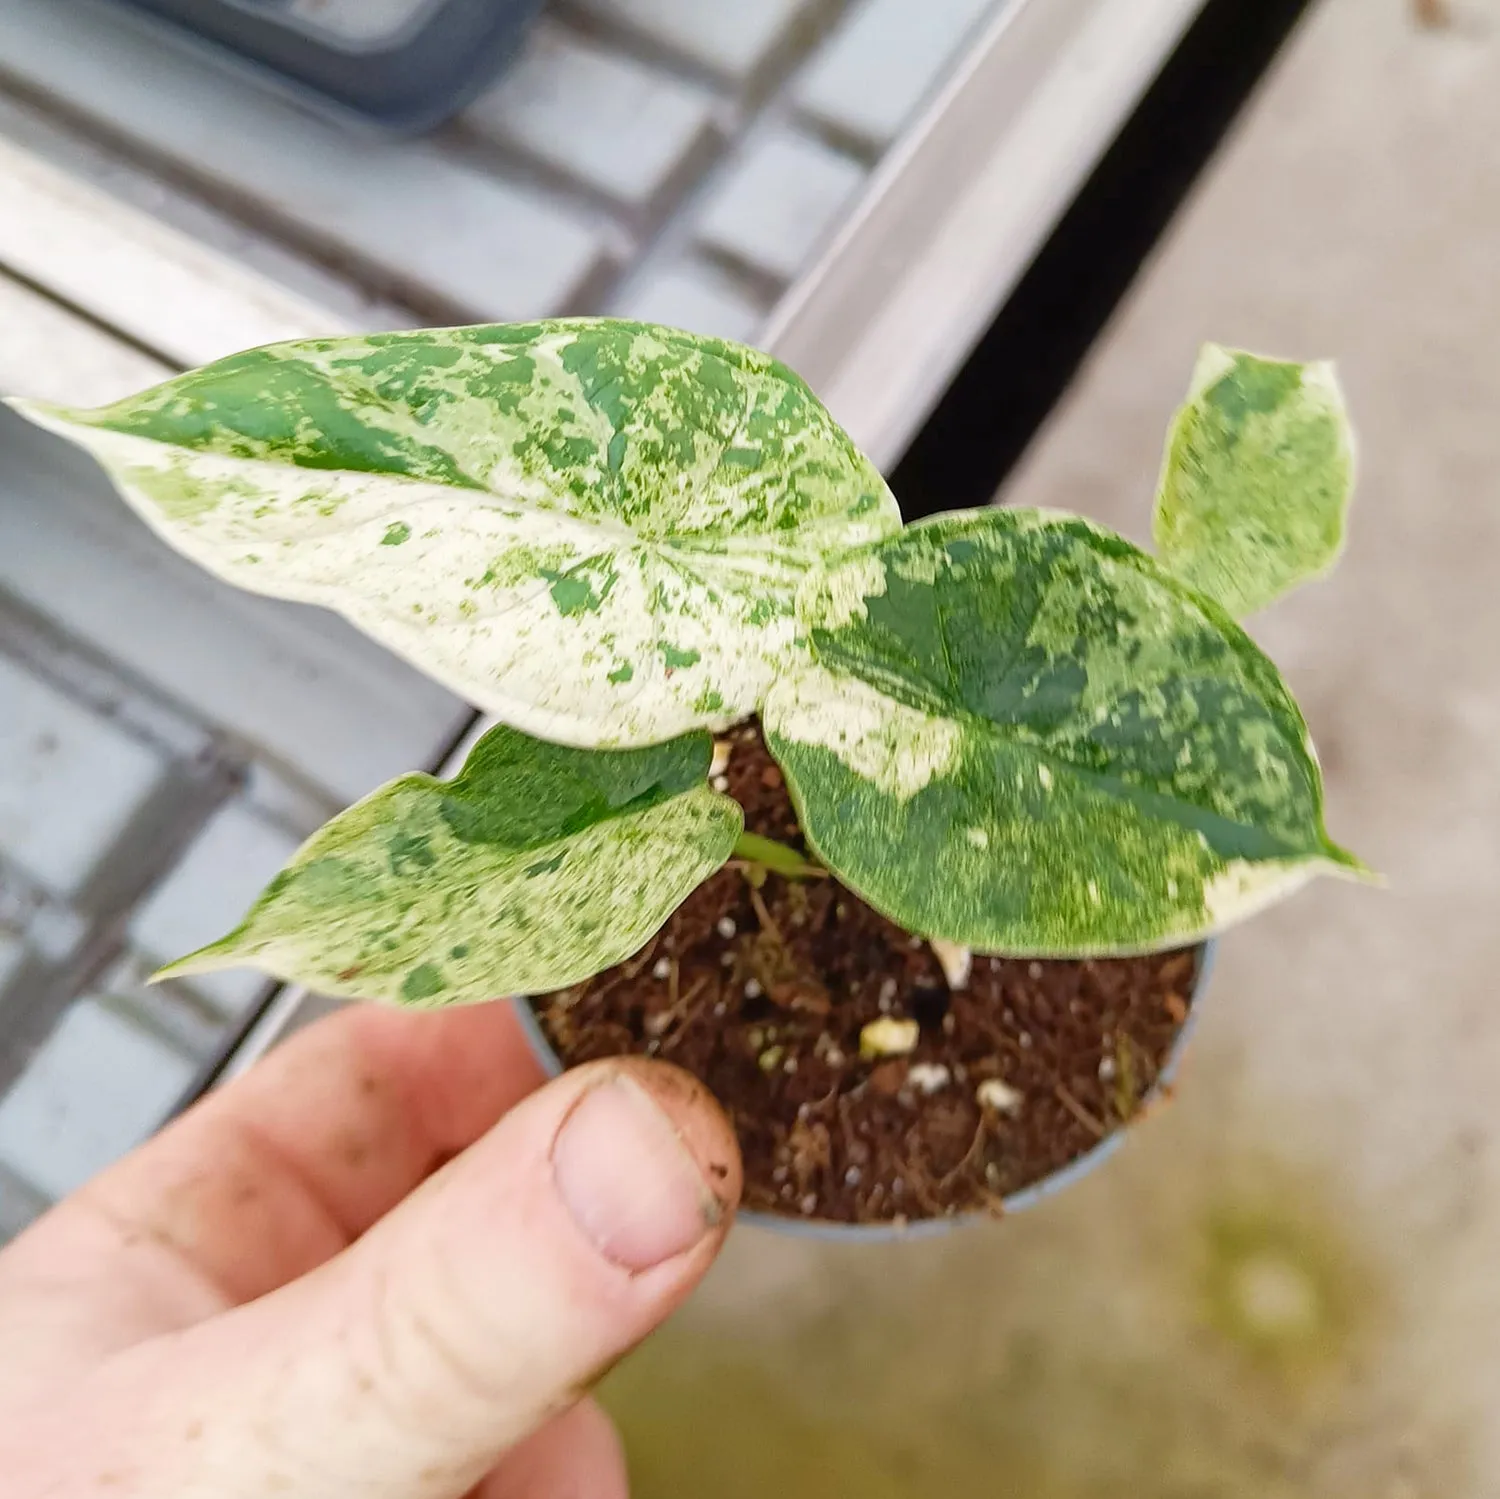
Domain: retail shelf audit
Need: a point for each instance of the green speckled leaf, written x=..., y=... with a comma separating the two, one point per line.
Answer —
x=593, y=529
x=535, y=867
x=1024, y=736
x=1257, y=478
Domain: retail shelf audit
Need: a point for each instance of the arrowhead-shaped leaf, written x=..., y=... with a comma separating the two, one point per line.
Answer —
x=1022, y=735
x=1257, y=478
x=595, y=530
x=534, y=868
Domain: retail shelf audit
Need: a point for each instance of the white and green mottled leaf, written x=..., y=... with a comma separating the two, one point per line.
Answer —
x=1257, y=478
x=593, y=529
x=535, y=867
x=1022, y=735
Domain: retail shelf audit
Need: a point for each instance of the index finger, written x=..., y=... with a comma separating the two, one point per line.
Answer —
x=267, y=1178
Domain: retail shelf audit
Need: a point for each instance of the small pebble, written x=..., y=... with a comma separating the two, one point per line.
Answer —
x=834, y=1057
x=656, y=1025
x=652, y=1047
x=853, y=1176
x=790, y=1065
x=779, y=1175
x=960, y=1073
x=950, y=1023
x=721, y=1008
x=753, y=989
x=725, y=927
x=727, y=960
x=888, y=1038
x=994, y=1093
x=1034, y=970
x=809, y=1204
x=898, y=1188
x=720, y=783
x=661, y=968
x=992, y=1174
x=1025, y=1039
x=1106, y=1069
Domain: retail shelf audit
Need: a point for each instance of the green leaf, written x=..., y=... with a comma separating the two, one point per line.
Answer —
x=593, y=529
x=777, y=857
x=1257, y=479
x=1023, y=736
x=535, y=867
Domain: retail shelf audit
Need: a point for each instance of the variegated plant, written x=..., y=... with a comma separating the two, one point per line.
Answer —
x=1008, y=730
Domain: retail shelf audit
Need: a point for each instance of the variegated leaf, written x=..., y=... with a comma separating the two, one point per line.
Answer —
x=535, y=867
x=1257, y=478
x=593, y=529
x=1023, y=736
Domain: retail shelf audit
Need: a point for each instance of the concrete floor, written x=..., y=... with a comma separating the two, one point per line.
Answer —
x=1286, y=1288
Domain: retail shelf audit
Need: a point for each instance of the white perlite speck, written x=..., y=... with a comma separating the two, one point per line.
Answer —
x=888, y=1037
x=661, y=968
x=994, y=1093
x=726, y=927
x=928, y=1077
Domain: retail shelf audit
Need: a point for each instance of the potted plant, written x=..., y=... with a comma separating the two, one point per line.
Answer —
x=905, y=840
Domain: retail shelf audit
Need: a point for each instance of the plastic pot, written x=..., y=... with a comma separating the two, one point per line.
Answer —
x=869, y=1233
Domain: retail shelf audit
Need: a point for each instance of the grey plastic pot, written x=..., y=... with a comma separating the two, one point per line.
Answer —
x=874, y=1233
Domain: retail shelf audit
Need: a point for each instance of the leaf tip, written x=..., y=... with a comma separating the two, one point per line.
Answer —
x=209, y=959
x=1349, y=866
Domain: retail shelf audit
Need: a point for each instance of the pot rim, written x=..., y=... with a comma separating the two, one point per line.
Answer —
x=797, y=1226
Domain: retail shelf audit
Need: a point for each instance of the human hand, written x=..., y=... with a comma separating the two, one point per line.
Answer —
x=384, y=1264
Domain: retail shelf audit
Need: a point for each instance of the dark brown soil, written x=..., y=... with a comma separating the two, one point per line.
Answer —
x=762, y=991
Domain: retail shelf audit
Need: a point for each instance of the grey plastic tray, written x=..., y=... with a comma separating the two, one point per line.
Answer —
x=402, y=64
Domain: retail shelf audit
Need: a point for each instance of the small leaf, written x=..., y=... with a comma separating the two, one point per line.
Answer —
x=593, y=529
x=534, y=868
x=1022, y=736
x=777, y=857
x=1257, y=478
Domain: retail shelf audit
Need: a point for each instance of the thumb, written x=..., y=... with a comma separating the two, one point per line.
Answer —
x=487, y=1302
